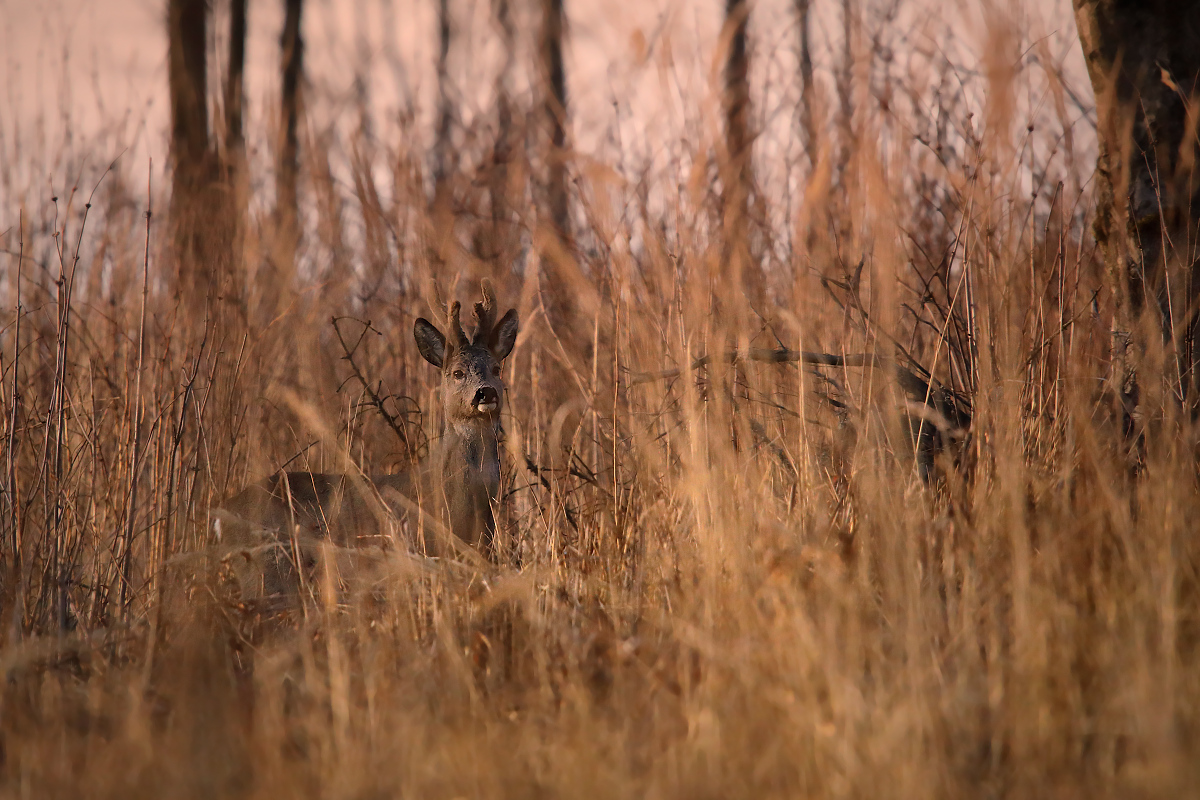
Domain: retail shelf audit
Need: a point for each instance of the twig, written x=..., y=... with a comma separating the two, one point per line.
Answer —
x=17, y=574
x=538, y=471
x=283, y=467
x=376, y=400
x=164, y=545
x=56, y=415
x=131, y=507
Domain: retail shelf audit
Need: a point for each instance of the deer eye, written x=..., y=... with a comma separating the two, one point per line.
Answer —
x=458, y=374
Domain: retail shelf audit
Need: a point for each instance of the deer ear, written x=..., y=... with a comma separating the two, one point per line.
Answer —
x=504, y=335
x=430, y=342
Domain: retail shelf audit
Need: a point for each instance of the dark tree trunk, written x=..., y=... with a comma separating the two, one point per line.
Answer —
x=807, y=122
x=235, y=172
x=201, y=214
x=235, y=79
x=737, y=103
x=555, y=101
x=191, y=157
x=845, y=90
x=1143, y=59
x=502, y=152
x=736, y=171
x=559, y=269
x=188, y=78
x=443, y=152
x=291, y=43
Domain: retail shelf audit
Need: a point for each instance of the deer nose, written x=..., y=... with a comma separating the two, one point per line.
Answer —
x=486, y=399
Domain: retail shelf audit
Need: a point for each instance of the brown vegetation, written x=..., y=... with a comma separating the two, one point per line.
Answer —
x=759, y=577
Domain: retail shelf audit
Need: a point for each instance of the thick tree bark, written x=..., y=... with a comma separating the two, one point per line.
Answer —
x=291, y=43
x=1143, y=59
x=555, y=110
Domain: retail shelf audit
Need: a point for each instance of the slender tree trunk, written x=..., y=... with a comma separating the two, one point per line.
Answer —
x=736, y=167
x=443, y=242
x=845, y=90
x=188, y=77
x=443, y=150
x=559, y=269
x=235, y=78
x=500, y=235
x=235, y=142
x=191, y=157
x=807, y=122
x=291, y=43
x=737, y=102
x=555, y=110
x=443, y=212
x=1144, y=63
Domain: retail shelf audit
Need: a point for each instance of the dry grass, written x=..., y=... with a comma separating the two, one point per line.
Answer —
x=733, y=583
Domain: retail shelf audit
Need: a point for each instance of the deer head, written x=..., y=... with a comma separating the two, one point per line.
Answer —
x=472, y=390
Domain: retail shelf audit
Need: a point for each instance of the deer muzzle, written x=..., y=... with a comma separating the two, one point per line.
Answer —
x=486, y=400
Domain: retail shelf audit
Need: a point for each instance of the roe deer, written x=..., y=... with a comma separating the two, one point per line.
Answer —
x=445, y=500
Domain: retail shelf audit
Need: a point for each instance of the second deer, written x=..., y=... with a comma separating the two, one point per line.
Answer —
x=439, y=507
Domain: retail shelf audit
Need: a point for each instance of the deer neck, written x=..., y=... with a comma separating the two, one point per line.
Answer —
x=470, y=476
x=470, y=453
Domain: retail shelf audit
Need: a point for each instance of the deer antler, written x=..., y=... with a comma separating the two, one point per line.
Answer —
x=485, y=313
x=456, y=331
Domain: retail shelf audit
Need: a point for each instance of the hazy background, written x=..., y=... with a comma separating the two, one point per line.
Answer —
x=85, y=80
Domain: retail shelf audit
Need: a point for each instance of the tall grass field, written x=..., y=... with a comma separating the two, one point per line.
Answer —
x=926, y=560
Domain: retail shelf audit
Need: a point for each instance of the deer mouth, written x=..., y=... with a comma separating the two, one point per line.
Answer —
x=486, y=400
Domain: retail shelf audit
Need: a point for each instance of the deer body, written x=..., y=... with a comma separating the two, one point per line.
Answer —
x=438, y=507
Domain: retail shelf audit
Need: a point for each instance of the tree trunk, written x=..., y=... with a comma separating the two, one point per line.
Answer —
x=807, y=122
x=235, y=79
x=555, y=108
x=291, y=43
x=559, y=270
x=443, y=151
x=1144, y=63
x=845, y=91
x=188, y=78
x=500, y=237
x=193, y=175
x=443, y=211
x=735, y=169
x=236, y=176
x=737, y=103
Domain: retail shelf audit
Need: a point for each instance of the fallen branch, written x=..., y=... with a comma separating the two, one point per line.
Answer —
x=769, y=356
x=913, y=385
